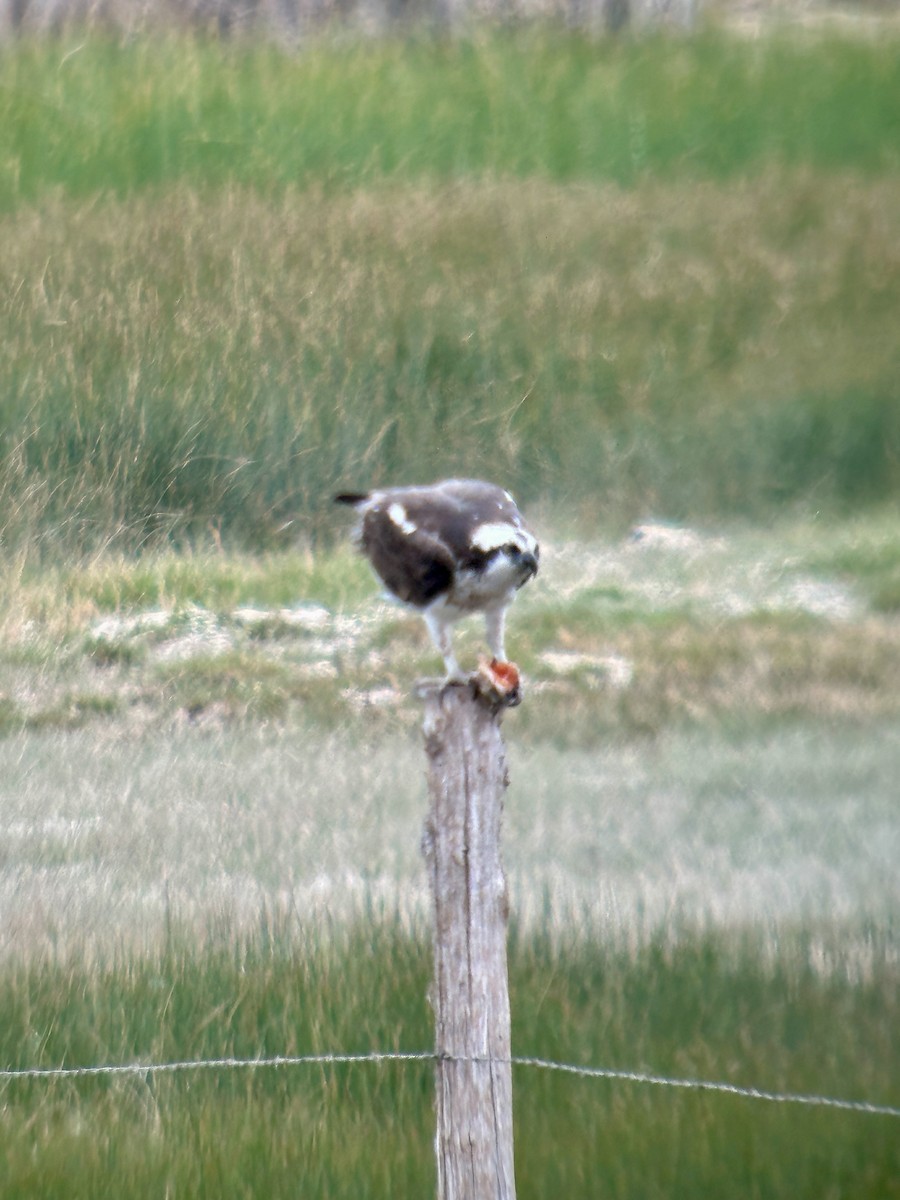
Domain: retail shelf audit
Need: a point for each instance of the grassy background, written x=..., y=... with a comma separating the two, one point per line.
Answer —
x=625, y=278
x=703, y=905
x=102, y=116
x=622, y=277
x=619, y=638
x=710, y=1007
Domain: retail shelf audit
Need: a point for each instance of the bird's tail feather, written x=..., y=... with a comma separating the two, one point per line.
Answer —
x=351, y=497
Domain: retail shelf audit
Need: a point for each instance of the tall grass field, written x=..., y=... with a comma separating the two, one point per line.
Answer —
x=653, y=286
x=367, y=1129
x=654, y=276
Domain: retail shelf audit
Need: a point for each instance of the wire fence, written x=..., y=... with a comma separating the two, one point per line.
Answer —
x=586, y=1072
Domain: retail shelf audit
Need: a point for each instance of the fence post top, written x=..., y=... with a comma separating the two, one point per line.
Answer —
x=495, y=685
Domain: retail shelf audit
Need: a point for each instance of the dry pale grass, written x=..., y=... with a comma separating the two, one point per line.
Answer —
x=219, y=363
x=109, y=840
x=709, y=735
x=631, y=636
x=743, y=269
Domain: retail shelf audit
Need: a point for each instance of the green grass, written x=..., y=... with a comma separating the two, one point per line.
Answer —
x=616, y=638
x=97, y=116
x=225, y=861
x=707, y=1009
x=871, y=561
x=633, y=277
x=628, y=279
x=213, y=367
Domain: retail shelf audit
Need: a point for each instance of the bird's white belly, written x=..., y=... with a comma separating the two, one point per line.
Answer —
x=475, y=593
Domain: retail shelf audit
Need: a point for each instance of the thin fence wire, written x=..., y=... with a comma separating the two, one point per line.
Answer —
x=640, y=1077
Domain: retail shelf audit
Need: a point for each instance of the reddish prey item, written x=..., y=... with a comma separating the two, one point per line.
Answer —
x=500, y=679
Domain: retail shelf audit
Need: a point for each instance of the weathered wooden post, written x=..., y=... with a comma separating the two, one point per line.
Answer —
x=470, y=993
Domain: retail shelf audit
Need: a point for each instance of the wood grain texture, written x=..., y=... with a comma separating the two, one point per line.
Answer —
x=467, y=777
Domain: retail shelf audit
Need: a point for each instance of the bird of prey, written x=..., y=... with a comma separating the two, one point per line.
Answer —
x=447, y=550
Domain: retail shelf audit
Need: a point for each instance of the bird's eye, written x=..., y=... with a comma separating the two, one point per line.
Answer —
x=512, y=550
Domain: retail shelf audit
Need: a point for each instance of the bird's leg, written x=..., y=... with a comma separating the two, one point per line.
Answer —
x=498, y=678
x=495, y=624
x=442, y=636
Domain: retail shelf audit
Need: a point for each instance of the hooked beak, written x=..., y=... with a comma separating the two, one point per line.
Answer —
x=529, y=563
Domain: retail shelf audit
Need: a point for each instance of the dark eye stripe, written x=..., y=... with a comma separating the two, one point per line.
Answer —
x=475, y=559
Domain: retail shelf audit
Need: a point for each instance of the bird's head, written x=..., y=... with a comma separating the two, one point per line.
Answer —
x=523, y=560
x=507, y=551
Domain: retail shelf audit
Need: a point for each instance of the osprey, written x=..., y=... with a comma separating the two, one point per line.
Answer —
x=447, y=550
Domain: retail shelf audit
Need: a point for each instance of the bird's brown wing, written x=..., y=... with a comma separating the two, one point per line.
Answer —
x=415, y=567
